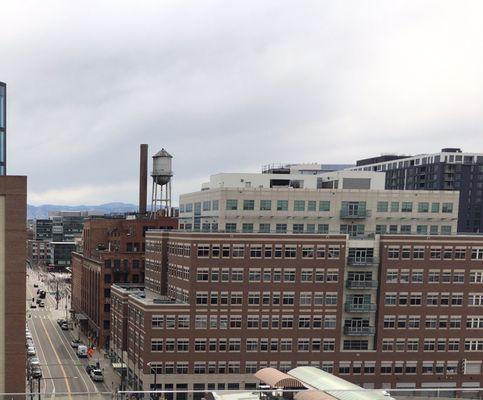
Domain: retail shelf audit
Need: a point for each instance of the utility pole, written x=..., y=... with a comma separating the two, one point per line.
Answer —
x=39, y=387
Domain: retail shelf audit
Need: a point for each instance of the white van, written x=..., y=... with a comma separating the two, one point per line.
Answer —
x=82, y=351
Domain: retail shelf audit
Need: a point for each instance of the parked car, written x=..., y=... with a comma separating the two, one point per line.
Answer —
x=28, y=335
x=82, y=351
x=36, y=372
x=89, y=368
x=75, y=343
x=38, y=300
x=33, y=305
x=41, y=304
x=96, y=375
x=64, y=326
x=42, y=294
x=60, y=321
x=29, y=343
x=33, y=361
x=31, y=351
x=36, y=285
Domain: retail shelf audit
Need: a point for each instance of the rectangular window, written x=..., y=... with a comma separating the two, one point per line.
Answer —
x=264, y=228
x=298, y=228
x=282, y=205
x=299, y=205
x=247, y=228
x=435, y=207
x=394, y=206
x=382, y=206
x=248, y=205
x=232, y=204
x=381, y=229
x=265, y=205
x=422, y=229
x=447, y=208
x=281, y=228
x=230, y=227
x=407, y=206
x=311, y=205
x=423, y=207
x=324, y=205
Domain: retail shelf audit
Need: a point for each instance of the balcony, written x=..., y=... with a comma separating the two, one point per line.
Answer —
x=362, y=308
x=359, y=331
x=361, y=284
x=351, y=214
x=361, y=261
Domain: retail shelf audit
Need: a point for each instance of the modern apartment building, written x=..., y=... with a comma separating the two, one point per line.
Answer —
x=394, y=311
x=231, y=207
x=43, y=229
x=450, y=169
x=13, y=206
x=3, y=129
x=67, y=225
x=113, y=252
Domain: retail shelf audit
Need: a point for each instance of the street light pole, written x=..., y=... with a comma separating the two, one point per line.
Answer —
x=149, y=364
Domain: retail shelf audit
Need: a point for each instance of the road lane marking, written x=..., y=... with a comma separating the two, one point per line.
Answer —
x=66, y=342
x=58, y=359
x=69, y=350
x=43, y=356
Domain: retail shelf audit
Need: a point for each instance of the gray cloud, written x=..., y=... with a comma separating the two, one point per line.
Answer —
x=228, y=86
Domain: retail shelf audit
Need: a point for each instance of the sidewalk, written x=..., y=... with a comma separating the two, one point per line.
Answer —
x=112, y=379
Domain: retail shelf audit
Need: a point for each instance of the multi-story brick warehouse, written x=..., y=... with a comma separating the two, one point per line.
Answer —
x=113, y=252
x=13, y=210
x=395, y=311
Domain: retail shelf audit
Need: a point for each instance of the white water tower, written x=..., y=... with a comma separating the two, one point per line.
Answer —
x=161, y=174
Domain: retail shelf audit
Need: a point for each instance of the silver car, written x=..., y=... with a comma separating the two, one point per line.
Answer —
x=31, y=351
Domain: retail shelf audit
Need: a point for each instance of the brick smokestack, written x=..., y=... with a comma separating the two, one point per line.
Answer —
x=143, y=177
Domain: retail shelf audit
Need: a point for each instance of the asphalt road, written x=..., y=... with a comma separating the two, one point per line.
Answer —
x=63, y=371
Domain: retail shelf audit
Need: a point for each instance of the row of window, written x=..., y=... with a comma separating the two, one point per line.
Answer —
x=311, y=228
x=434, y=253
x=407, y=206
x=429, y=344
x=170, y=345
x=310, y=206
x=286, y=275
x=383, y=229
x=250, y=322
x=267, y=251
x=414, y=322
x=432, y=276
x=344, y=368
x=416, y=299
x=266, y=298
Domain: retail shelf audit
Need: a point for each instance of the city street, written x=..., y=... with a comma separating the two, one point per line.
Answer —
x=63, y=371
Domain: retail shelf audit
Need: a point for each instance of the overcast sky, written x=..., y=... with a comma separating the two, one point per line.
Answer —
x=229, y=86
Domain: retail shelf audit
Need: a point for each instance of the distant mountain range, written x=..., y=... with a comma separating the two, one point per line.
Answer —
x=37, y=212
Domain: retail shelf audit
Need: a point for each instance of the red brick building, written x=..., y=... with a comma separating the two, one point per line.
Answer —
x=13, y=209
x=113, y=252
x=395, y=311
x=38, y=252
